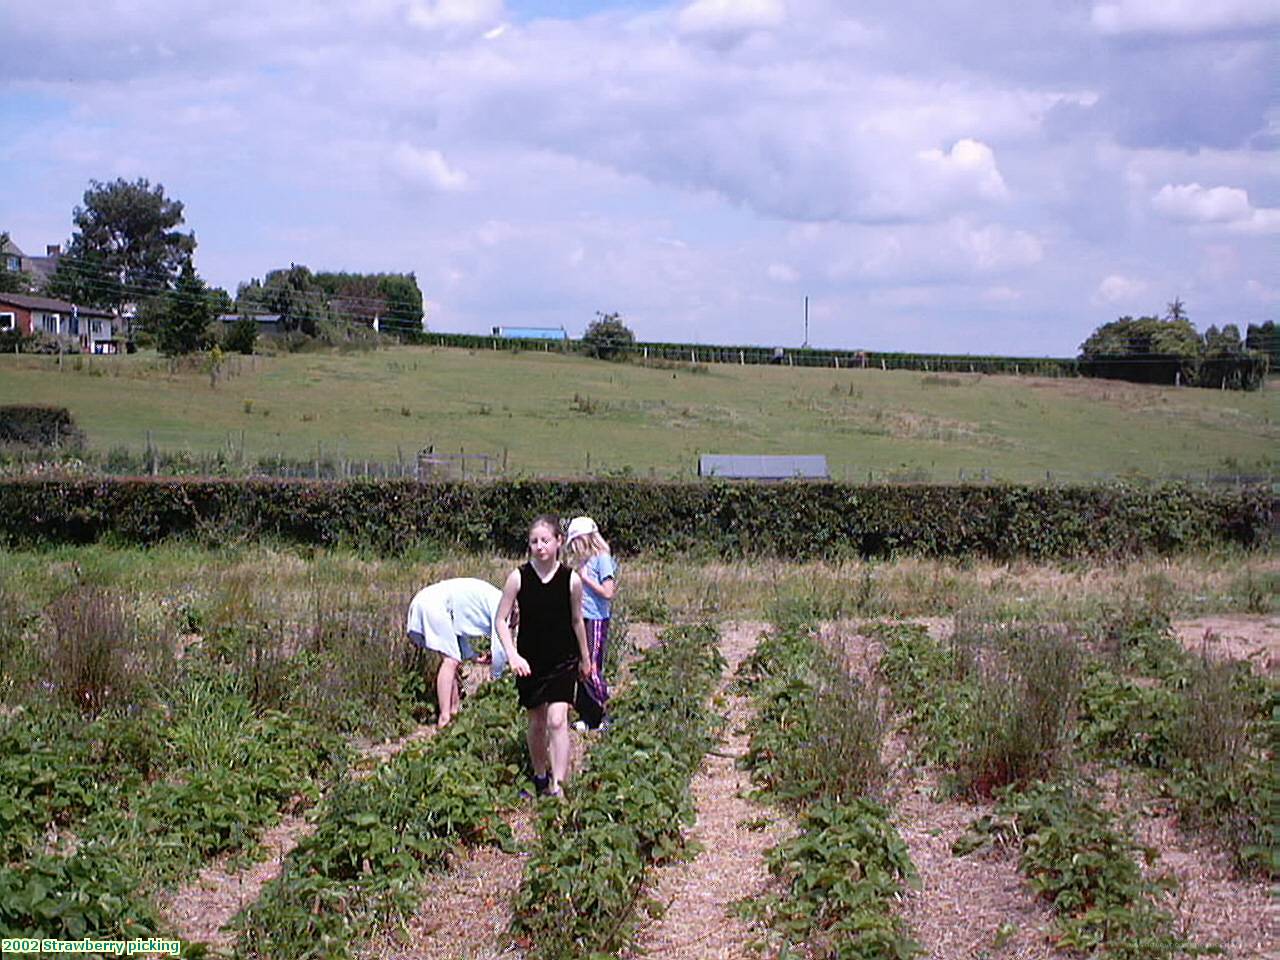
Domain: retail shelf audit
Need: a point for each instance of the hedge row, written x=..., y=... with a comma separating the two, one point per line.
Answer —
x=794, y=520
x=792, y=356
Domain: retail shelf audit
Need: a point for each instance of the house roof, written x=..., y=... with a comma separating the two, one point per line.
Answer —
x=45, y=303
x=41, y=268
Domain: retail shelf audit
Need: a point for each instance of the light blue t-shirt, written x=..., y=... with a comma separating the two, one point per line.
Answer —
x=601, y=567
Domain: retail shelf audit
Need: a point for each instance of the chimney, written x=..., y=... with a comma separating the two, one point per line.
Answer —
x=53, y=250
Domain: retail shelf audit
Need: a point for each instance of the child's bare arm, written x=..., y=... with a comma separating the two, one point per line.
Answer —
x=519, y=665
x=606, y=587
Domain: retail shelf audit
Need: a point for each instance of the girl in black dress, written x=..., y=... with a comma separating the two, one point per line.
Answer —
x=550, y=653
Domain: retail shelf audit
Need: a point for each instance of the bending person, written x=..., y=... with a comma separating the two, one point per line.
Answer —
x=446, y=617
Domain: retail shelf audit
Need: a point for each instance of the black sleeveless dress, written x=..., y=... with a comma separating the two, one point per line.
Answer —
x=546, y=638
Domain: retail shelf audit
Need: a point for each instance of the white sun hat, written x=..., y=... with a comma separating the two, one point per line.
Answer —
x=580, y=527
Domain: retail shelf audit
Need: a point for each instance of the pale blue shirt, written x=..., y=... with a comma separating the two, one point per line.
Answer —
x=601, y=567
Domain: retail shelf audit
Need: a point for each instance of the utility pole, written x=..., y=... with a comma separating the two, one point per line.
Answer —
x=805, y=345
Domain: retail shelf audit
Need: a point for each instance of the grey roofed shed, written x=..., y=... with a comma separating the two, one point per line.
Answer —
x=744, y=467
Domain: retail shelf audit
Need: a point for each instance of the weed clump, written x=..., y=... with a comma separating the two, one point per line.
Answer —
x=92, y=658
x=996, y=704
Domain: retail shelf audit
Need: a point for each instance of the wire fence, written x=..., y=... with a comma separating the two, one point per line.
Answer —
x=330, y=464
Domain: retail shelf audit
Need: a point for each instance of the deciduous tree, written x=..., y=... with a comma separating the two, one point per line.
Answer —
x=607, y=336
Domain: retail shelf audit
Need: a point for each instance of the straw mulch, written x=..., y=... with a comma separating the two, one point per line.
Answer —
x=200, y=910
x=466, y=912
x=1212, y=904
x=729, y=865
x=967, y=906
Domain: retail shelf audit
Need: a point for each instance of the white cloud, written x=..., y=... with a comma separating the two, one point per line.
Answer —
x=446, y=14
x=970, y=166
x=953, y=251
x=1229, y=206
x=1117, y=288
x=1262, y=292
x=1001, y=295
x=857, y=151
x=1182, y=16
x=427, y=168
x=782, y=273
x=731, y=16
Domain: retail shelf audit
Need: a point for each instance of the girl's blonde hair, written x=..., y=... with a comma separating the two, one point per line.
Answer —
x=577, y=550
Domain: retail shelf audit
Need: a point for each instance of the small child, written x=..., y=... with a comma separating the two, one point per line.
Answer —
x=444, y=617
x=588, y=553
x=550, y=653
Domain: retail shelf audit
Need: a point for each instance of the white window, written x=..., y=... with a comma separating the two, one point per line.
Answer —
x=95, y=326
x=8, y=321
x=49, y=322
x=12, y=263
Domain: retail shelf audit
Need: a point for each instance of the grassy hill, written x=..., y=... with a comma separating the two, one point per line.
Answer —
x=550, y=412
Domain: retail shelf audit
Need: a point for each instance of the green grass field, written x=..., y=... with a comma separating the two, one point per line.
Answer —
x=550, y=413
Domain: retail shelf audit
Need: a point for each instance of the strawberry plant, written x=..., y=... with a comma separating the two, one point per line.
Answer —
x=1085, y=869
x=840, y=873
x=378, y=838
x=816, y=745
x=626, y=811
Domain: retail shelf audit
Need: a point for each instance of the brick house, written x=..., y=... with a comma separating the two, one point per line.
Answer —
x=93, y=330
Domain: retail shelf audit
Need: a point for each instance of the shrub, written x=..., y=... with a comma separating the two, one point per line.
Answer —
x=607, y=337
x=37, y=426
x=242, y=337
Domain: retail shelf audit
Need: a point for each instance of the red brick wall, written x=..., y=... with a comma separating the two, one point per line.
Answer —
x=21, y=315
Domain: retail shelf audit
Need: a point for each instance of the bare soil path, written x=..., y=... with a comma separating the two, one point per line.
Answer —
x=733, y=833
x=1255, y=638
x=466, y=912
x=199, y=911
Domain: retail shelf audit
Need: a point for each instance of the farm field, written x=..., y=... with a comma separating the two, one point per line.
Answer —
x=552, y=415
x=232, y=747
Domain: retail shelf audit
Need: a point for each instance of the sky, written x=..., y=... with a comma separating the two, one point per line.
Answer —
x=934, y=175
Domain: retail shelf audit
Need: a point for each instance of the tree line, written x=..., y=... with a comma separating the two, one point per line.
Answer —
x=128, y=254
x=1169, y=349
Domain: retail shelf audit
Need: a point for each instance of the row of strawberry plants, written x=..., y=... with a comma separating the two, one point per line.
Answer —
x=816, y=745
x=997, y=706
x=131, y=834
x=378, y=838
x=1070, y=847
x=626, y=811
x=1207, y=729
x=1087, y=870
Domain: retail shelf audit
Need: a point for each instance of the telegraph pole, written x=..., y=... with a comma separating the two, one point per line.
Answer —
x=805, y=345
